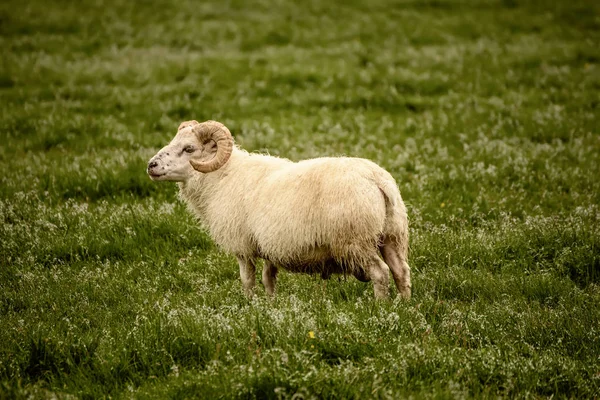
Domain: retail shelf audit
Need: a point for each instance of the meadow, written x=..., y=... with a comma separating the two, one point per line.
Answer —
x=486, y=112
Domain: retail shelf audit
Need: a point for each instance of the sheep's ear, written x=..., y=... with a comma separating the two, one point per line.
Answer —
x=185, y=124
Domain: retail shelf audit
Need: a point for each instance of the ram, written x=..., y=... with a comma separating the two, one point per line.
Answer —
x=331, y=215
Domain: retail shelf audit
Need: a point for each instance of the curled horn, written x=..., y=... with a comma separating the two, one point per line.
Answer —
x=216, y=131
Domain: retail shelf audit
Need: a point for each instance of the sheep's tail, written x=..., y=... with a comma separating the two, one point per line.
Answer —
x=396, y=219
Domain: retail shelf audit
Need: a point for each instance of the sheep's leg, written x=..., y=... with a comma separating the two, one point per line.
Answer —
x=269, y=277
x=248, y=275
x=380, y=275
x=396, y=260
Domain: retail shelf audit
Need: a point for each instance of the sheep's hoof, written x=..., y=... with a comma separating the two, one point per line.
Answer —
x=381, y=295
x=404, y=293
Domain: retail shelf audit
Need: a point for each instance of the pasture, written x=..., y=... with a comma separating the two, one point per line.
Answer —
x=486, y=112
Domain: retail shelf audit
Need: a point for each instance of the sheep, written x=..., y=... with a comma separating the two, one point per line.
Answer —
x=330, y=215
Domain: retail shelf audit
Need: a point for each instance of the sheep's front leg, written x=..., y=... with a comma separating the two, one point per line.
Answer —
x=248, y=275
x=380, y=275
x=269, y=277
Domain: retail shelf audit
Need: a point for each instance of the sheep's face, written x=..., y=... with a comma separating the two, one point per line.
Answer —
x=172, y=162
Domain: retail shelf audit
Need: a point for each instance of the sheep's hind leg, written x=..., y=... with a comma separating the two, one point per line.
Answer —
x=248, y=275
x=380, y=275
x=269, y=277
x=395, y=258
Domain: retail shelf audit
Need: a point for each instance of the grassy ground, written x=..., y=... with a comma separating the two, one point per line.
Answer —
x=486, y=112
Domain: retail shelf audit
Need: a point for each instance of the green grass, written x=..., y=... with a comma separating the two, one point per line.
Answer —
x=486, y=112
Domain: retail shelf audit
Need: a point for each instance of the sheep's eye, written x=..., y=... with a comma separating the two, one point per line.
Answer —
x=189, y=149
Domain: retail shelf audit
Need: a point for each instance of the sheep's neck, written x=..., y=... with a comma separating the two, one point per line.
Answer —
x=197, y=191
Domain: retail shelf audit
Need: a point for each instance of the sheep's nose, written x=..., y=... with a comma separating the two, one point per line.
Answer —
x=152, y=164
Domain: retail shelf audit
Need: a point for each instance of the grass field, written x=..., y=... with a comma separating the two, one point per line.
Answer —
x=486, y=112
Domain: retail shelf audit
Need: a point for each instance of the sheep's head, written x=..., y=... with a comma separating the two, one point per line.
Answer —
x=202, y=147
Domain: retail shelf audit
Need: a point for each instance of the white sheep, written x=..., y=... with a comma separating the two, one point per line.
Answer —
x=324, y=215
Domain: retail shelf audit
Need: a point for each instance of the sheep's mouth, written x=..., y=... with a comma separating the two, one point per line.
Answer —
x=154, y=175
